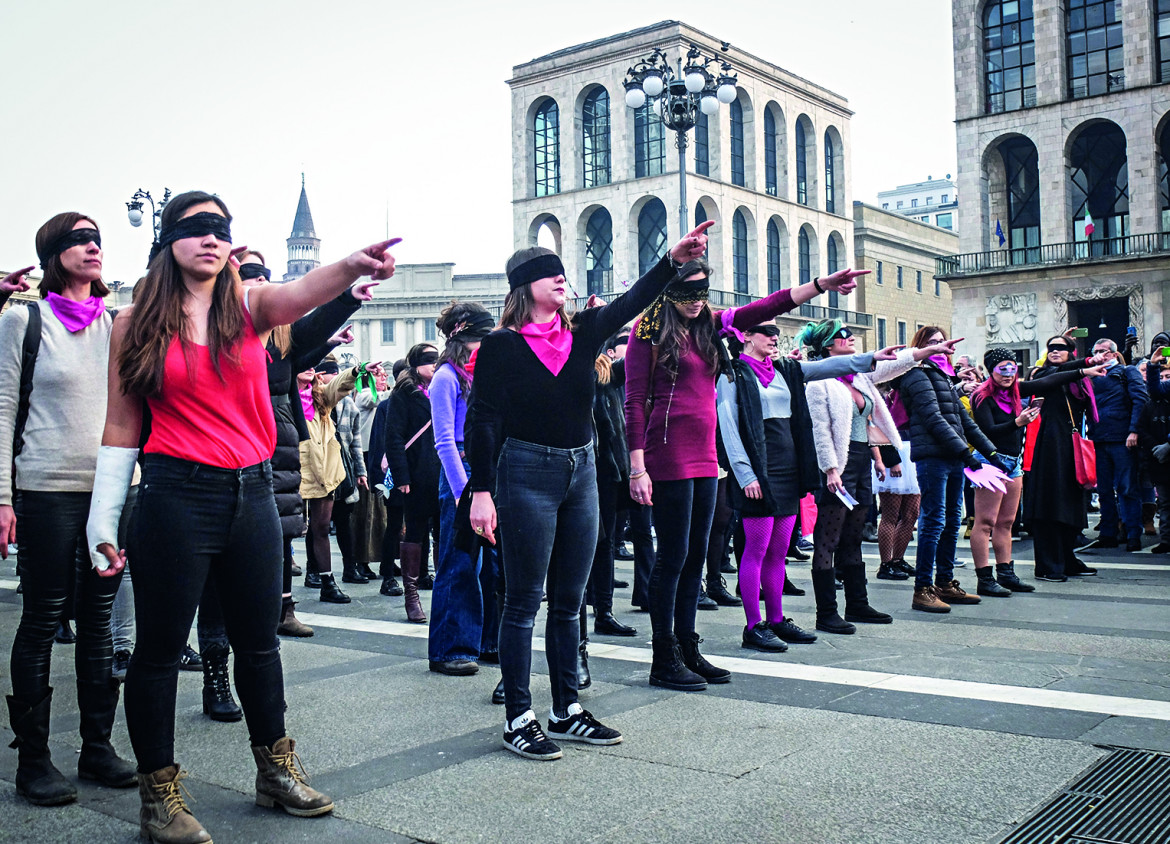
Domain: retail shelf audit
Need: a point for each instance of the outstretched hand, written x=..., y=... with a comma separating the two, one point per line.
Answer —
x=117, y=560
x=234, y=256
x=888, y=353
x=16, y=282
x=374, y=261
x=843, y=281
x=693, y=245
x=946, y=347
x=1094, y=371
x=343, y=337
x=363, y=291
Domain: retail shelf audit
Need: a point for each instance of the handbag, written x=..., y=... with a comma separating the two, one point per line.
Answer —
x=1084, y=454
x=1032, y=433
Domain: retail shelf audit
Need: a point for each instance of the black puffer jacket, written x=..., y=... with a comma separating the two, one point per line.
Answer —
x=609, y=425
x=408, y=413
x=939, y=425
x=309, y=343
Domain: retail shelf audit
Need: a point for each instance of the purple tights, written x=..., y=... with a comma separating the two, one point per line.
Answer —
x=765, y=546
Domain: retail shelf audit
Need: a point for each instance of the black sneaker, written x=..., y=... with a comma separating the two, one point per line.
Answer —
x=190, y=661
x=887, y=571
x=525, y=738
x=705, y=601
x=582, y=726
x=787, y=631
x=901, y=565
x=121, y=663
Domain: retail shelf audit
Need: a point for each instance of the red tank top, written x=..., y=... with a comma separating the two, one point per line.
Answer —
x=198, y=417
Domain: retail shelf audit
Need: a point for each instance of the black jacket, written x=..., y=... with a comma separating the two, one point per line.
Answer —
x=309, y=338
x=1052, y=493
x=609, y=422
x=939, y=425
x=751, y=433
x=1154, y=427
x=408, y=412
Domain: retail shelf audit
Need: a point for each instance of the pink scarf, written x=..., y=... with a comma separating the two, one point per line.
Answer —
x=765, y=370
x=551, y=342
x=307, y=402
x=1004, y=399
x=75, y=315
x=943, y=363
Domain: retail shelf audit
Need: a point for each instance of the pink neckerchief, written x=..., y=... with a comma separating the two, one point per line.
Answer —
x=943, y=363
x=307, y=402
x=765, y=370
x=75, y=315
x=1004, y=400
x=551, y=342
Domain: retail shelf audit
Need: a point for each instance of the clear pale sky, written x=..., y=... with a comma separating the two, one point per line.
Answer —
x=385, y=105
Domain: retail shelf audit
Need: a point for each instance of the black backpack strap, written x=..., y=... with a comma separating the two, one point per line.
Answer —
x=28, y=362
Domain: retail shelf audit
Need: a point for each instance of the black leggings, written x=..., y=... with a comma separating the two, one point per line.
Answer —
x=317, y=551
x=838, y=533
x=718, y=546
x=194, y=523
x=682, y=521
x=54, y=564
x=343, y=520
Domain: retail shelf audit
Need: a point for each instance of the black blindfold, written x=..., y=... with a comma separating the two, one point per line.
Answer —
x=254, y=270
x=197, y=225
x=534, y=269
x=76, y=237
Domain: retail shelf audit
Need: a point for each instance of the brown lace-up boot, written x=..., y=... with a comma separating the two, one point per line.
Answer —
x=281, y=781
x=164, y=817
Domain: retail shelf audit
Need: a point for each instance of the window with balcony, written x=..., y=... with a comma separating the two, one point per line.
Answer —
x=775, y=262
x=599, y=253
x=771, y=181
x=737, y=170
x=1009, y=55
x=830, y=201
x=1099, y=188
x=804, y=256
x=832, y=264
x=801, y=164
x=1094, y=51
x=651, y=234
x=546, y=149
x=649, y=143
x=739, y=252
x=1022, y=174
x=595, y=138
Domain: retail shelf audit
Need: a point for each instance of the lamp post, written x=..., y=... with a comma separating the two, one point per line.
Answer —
x=678, y=96
x=134, y=208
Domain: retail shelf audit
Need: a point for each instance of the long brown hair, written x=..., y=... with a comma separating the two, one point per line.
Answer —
x=518, y=304
x=281, y=337
x=158, y=316
x=672, y=340
x=456, y=351
x=55, y=278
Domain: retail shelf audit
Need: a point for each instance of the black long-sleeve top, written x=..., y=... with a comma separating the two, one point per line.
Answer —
x=514, y=395
x=1000, y=426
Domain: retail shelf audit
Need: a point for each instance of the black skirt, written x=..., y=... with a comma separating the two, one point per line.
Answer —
x=857, y=477
x=782, y=478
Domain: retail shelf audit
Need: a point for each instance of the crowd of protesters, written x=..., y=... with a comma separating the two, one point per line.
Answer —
x=210, y=424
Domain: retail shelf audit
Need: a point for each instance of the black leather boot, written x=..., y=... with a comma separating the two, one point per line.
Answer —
x=218, y=703
x=668, y=669
x=1005, y=573
x=351, y=573
x=717, y=592
x=584, y=681
x=825, y=589
x=330, y=592
x=857, y=608
x=688, y=645
x=37, y=780
x=390, y=587
x=98, y=702
x=987, y=584
x=791, y=588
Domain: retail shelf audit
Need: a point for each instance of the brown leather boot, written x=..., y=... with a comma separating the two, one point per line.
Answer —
x=281, y=781
x=164, y=817
x=952, y=593
x=290, y=625
x=926, y=599
x=411, y=559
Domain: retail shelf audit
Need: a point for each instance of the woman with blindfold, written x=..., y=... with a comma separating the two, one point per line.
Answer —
x=673, y=361
x=54, y=433
x=409, y=442
x=533, y=408
x=851, y=425
x=766, y=431
x=1054, y=503
x=192, y=350
x=1000, y=413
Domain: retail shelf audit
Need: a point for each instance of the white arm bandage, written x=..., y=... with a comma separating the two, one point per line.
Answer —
x=111, y=483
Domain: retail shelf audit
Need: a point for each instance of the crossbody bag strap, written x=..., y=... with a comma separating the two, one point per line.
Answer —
x=413, y=439
x=28, y=361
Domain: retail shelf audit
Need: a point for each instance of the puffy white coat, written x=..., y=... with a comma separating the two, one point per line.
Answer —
x=830, y=403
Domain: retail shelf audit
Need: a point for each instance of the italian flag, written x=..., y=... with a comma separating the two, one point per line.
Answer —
x=1089, y=227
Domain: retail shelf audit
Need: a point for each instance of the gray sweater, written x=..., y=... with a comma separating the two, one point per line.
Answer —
x=67, y=409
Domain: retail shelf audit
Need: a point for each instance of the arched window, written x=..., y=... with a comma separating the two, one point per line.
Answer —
x=546, y=149
x=599, y=252
x=1009, y=55
x=649, y=143
x=801, y=165
x=1100, y=188
x=651, y=234
x=702, y=145
x=830, y=202
x=701, y=217
x=595, y=138
x=739, y=252
x=1164, y=178
x=804, y=256
x=1096, y=60
x=737, y=171
x=831, y=261
x=1163, y=30
x=771, y=184
x=1022, y=173
x=774, y=264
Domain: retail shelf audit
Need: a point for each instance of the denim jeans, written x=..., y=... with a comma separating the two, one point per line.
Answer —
x=54, y=563
x=941, y=483
x=683, y=511
x=546, y=500
x=460, y=629
x=1117, y=488
x=196, y=523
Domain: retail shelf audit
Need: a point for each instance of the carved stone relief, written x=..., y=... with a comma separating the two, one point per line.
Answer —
x=1011, y=318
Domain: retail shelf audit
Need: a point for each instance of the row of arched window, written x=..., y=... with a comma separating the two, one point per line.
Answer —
x=653, y=242
x=649, y=140
x=1094, y=50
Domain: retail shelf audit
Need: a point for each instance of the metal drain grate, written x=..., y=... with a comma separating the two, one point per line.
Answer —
x=1123, y=799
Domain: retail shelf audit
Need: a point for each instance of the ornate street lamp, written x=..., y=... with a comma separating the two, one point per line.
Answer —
x=677, y=97
x=134, y=208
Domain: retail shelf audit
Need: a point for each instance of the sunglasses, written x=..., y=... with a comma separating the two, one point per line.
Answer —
x=769, y=330
x=1059, y=347
x=843, y=334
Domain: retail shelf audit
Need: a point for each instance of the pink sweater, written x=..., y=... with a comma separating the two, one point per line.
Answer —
x=679, y=436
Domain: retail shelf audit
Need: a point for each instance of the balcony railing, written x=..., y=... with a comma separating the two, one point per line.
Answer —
x=1135, y=245
x=849, y=317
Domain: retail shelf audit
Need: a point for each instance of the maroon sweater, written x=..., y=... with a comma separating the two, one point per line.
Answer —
x=679, y=436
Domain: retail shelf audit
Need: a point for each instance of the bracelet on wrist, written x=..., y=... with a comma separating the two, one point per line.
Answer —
x=816, y=284
x=637, y=474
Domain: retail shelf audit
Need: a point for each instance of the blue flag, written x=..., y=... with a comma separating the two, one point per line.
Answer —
x=999, y=233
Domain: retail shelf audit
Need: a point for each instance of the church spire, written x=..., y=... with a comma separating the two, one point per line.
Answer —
x=304, y=247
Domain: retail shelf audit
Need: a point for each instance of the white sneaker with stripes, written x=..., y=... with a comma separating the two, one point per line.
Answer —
x=582, y=726
x=524, y=737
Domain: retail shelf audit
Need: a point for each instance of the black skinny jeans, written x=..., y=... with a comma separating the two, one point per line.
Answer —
x=600, y=591
x=683, y=511
x=54, y=563
x=195, y=523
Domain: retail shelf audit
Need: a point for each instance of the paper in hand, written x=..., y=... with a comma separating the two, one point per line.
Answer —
x=848, y=500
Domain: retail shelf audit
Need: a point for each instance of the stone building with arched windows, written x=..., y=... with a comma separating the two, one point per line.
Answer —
x=1063, y=132
x=600, y=181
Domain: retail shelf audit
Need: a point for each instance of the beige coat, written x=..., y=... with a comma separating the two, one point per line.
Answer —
x=321, y=468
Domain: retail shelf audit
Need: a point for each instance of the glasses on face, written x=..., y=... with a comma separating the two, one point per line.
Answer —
x=843, y=334
x=1102, y=351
